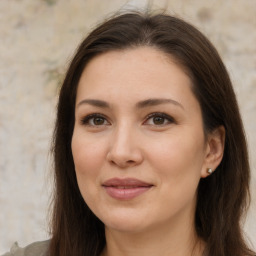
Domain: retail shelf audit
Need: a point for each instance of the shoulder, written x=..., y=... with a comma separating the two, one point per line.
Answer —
x=34, y=249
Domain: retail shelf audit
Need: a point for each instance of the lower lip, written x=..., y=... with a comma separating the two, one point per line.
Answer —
x=126, y=193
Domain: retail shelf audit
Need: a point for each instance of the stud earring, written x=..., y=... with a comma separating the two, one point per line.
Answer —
x=210, y=171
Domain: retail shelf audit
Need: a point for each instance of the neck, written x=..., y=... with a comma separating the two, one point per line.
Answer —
x=163, y=240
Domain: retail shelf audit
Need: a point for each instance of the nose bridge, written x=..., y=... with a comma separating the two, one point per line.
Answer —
x=124, y=149
x=122, y=139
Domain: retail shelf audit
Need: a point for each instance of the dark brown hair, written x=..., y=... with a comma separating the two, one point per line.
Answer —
x=222, y=197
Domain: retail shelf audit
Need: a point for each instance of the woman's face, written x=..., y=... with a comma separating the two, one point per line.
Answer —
x=138, y=145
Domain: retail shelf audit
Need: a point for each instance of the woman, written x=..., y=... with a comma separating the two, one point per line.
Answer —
x=149, y=147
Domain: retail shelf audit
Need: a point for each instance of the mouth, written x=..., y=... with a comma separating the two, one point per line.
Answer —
x=125, y=189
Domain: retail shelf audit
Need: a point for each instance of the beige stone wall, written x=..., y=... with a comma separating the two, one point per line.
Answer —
x=37, y=39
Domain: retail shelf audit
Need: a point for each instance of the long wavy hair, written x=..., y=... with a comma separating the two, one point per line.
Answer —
x=222, y=198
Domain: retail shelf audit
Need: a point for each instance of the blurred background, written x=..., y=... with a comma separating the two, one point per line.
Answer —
x=37, y=41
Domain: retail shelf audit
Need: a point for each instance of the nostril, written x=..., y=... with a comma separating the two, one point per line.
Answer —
x=123, y=164
x=124, y=158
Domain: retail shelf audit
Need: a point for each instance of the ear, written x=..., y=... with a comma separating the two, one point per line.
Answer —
x=214, y=150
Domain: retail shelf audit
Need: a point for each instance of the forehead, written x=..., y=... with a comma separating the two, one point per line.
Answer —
x=142, y=69
x=122, y=79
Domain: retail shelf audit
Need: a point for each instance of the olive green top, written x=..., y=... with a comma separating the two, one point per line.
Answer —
x=35, y=249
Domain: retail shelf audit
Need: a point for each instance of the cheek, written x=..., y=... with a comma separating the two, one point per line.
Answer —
x=179, y=158
x=87, y=154
x=88, y=159
x=178, y=165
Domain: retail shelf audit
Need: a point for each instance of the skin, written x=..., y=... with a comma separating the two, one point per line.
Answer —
x=172, y=154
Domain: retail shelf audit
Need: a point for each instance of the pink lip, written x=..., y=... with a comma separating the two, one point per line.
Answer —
x=125, y=189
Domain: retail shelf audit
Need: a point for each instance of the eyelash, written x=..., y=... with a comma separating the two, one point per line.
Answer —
x=162, y=115
x=86, y=119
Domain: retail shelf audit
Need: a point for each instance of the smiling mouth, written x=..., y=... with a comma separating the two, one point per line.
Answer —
x=125, y=189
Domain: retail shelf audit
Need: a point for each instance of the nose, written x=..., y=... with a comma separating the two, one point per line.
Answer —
x=125, y=150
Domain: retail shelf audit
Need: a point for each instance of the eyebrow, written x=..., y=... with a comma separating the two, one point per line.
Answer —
x=93, y=102
x=140, y=104
x=155, y=102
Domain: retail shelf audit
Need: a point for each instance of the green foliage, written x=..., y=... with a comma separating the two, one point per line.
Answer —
x=50, y=2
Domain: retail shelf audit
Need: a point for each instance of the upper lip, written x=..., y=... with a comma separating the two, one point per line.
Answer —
x=125, y=182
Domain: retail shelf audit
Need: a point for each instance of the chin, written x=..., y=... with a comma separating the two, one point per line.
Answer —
x=128, y=221
x=126, y=227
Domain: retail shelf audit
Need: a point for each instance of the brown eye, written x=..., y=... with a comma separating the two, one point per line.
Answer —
x=98, y=121
x=95, y=120
x=158, y=120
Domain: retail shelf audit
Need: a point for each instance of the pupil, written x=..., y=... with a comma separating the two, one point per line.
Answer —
x=158, y=120
x=98, y=121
